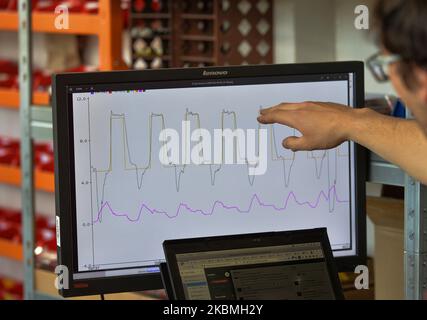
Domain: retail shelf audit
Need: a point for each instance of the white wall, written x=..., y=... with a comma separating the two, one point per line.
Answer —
x=323, y=30
x=298, y=26
x=353, y=44
x=284, y=31
x=314, y=30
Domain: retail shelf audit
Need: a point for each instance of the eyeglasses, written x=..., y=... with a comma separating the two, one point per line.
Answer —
x=379, y=63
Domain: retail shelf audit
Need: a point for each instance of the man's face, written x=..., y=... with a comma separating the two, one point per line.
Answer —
x=416, y=98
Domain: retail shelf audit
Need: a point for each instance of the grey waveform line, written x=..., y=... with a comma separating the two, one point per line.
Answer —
x=140, y=172
x=276, y=157
x=180, y=170
x=318, y=167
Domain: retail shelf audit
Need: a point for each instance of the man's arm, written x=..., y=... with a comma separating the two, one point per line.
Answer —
x=327, y=125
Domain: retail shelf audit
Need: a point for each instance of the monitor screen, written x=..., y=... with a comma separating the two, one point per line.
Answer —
x=286, y=272
x=180, y=154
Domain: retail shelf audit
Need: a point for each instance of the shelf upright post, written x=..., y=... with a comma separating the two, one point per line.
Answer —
x=415, y=238
x=27, y=175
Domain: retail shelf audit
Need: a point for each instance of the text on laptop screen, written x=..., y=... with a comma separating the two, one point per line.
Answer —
x=288, y=272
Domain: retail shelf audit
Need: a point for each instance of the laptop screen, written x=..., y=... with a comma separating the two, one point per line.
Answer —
x=284, y=272
x=289, y=265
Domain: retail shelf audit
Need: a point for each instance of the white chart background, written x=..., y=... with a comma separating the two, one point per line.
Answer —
x=124, y=215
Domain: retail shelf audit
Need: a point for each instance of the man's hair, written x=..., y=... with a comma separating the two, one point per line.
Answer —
x=402, y=29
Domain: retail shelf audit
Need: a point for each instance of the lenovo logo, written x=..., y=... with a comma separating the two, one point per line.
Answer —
x=215, y=73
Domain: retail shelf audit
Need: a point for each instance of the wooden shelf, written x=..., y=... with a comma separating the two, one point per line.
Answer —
x=41, y=98
x=197, y=59
x=10, y=250
x=8, y=20
x=83, y=24
x=162, y=36
x=44, y=181
x=198, y=38
x=151, y=58
x=197, y=16
x=151, y=15
x=9, y=98
x=10, y=175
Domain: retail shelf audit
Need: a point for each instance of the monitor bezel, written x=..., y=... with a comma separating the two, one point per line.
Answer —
x=65, y=193
x=172, y=248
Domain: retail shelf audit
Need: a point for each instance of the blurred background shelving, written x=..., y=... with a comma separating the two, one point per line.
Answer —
x=102, y=20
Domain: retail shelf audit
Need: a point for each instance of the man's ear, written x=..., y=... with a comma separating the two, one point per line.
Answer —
x=421, y=75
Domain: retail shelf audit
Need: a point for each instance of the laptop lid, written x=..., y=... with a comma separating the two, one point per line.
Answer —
x=166, y=280
x=296, y=265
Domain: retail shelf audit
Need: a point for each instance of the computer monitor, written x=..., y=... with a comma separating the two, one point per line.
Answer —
x=292, y=265
x=122, y=188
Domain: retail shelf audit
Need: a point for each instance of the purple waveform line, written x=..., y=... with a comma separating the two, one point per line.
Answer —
x=255, y=199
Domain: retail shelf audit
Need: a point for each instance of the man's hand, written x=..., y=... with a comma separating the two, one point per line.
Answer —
x=326, y=125
x=322, y=125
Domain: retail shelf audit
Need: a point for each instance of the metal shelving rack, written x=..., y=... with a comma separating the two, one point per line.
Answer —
x=36, y=123
x=25, y=92
x=415, y=236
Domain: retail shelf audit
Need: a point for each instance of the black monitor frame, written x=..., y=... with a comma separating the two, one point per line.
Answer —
x=64, y=163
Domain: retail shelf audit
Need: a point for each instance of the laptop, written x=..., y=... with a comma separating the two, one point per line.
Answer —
x=166, y=280
x=291, y=265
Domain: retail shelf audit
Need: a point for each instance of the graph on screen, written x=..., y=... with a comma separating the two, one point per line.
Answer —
x=128, y=202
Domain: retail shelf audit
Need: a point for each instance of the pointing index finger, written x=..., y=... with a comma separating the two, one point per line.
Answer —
x=287, y=118
x=283, y=106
